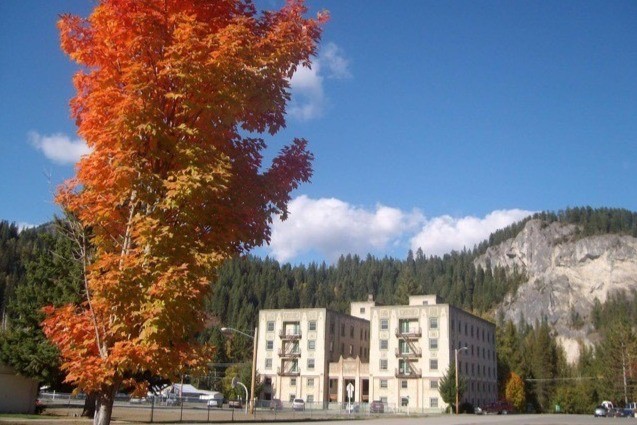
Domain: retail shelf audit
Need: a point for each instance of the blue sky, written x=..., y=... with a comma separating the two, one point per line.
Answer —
x=432, y=123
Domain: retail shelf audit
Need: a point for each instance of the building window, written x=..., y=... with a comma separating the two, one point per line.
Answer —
x=269, y=345
x=343, y=329
x=332, y=328
x=384, y=324
x=433, y=364
x=383, y=383
x=311, y=344
x=310, y=382
x=433, y=402
x=433, y=384
x=351, y=350
x=433, y=343
x=404, y=401
x=383, y=400
x=403, y=384
x=331, y=346
x=403, y=367
x=293, y=382
x=292, y=397
x=270, y=326
x=310, y=364
x=362, y=310
x=312, y=325
x=384, y=344
x=383, y=364
x=268, y=363
x=267, y=381
x=433, y=323
x=351, y=331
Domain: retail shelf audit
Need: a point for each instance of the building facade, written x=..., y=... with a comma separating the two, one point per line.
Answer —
x=413, y=346
x=296, y=347
x=396, y=354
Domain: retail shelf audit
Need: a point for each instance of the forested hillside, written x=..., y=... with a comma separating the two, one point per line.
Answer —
x=248, y=284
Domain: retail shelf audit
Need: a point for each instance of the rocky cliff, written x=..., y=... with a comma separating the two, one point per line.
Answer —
x=565, y=274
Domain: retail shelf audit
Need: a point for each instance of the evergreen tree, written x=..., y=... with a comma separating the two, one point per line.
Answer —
x=447, y=386
x=53, y=277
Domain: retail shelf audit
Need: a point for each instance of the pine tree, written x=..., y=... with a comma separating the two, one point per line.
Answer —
x=447, y=386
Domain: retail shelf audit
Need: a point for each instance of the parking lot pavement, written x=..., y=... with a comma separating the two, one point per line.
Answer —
x=377, y=420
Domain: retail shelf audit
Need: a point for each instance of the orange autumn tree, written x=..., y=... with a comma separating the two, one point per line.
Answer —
x=172, y=98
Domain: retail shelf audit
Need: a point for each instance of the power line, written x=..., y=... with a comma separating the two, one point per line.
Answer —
x=580, y=378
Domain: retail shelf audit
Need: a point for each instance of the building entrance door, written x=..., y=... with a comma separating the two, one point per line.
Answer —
x=346, y=382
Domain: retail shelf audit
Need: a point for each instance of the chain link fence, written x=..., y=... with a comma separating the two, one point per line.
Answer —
x=191, y=409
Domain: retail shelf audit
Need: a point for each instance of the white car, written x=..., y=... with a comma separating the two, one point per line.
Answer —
x=215, y=402
x=298, y=404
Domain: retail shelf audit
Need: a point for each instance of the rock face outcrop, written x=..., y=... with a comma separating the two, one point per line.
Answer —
x=565, y=275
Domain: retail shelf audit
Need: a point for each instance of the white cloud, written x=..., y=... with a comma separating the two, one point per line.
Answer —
x=330, y=227
x=334, y=60
x=308, y=94
x=59, y=148
x=327, y=228
x=443, y=234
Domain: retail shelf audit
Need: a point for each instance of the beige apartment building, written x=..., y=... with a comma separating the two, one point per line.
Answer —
x=396, y=354
x=412, y=347
x=311, y=353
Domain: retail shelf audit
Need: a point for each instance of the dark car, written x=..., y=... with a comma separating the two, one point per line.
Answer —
x=376, y=406
x=618, y=412
x=499, y=408
x=276, y=404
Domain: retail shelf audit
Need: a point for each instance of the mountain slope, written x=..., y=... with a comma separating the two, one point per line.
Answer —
x=566, y=272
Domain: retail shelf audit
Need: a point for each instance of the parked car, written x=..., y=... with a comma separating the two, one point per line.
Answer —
x=376, y=406
x=600, y=411
x=619, y=412
x=276, y=404
x=172, y=401
x=298, y=404
x=236, y=404
x=501, y=407
x=352, y=408
x=137, y=400
x=215, y=402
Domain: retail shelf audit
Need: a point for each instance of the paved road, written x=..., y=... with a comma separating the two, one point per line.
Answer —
x=491, y=419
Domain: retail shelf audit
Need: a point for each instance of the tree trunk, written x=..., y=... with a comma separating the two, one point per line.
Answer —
x=89, y=406
x=104, y=407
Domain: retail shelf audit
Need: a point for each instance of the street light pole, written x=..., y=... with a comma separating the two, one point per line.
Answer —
x=457, y=373
x=254, y=370
x=254, y=338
